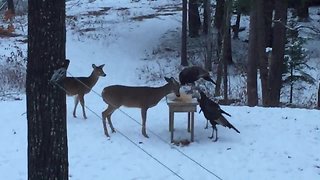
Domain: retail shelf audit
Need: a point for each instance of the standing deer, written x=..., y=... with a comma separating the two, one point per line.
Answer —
x=79, y=86
x=139, y=97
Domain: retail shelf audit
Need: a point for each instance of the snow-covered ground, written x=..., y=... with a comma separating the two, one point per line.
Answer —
x=274, y=143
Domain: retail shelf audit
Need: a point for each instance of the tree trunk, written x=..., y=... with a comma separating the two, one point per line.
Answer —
x=291, y=92
x=219, y=78
x=236, y=27
x=261, y=50
x=206, y=15
x=209, y=36
x=227, y=38
x=218, y=17
x=11, y=6
x=302, y=9
x=278, y=50
x=194, y=18
x=226, y=47
x=184, y=60
x=252, y=89
x=46, y=103
x=218, y=23
x=319, y=96
x=268, y=13
x=225, y=34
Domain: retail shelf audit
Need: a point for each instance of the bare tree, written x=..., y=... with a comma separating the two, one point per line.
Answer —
x=268, y=13
x=226, y=47
x=261, y=49
x=194, y=18
x=218, y=23
x=236, y=27
x=184, y=60
x=252, y=88
x=319, y=96
x=46, y=105
x=219, y=13
x=302, y=8
x=278, y=50
x=206, y=15
x=11, y=6
x=209, y=34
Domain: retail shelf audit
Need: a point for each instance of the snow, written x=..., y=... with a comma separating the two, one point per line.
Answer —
x=274, y=143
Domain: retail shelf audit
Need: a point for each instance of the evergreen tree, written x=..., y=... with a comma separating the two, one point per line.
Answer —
x=295, y=62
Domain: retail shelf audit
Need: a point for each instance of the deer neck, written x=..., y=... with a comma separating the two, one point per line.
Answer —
x=92, y=79
x=163, y=90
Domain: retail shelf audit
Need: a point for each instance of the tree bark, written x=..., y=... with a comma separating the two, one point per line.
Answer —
x=206, y=15
x=209, y=35
x=226, y=47
x=184, y=60
x=278, y=50
x=252, y=89
x=219, y=78
x=11, y=6
x=46, y=105
x=227, y=38
x=236, y=27
x=261, y=50
x=268, y=13
x=218, y=17
x=194, y=18
x=302, y=9
x=319, y=96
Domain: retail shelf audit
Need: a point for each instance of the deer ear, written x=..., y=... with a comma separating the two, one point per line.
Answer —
x=102, y=65
x=94, y=66
x=167, y=79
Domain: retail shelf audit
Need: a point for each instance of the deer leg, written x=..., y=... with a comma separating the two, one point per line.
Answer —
x=81, y=98
x=144, y=118
x=107, y=114
x=76, y=101
x=110, y=123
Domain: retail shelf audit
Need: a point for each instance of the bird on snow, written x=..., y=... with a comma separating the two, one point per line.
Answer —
x=192, y=74
x=213, y=113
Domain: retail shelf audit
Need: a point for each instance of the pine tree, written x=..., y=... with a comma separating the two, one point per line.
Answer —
x=295, y=62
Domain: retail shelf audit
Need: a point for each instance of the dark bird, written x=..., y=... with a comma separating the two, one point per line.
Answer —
x=192, y=74
x=213, y=113
x=220, y=110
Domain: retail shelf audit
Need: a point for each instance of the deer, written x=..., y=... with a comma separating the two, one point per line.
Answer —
x=142, y=97
x=79, y=86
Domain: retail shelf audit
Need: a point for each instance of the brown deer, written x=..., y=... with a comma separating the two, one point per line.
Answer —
x=79, y=86
x=138, y=97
